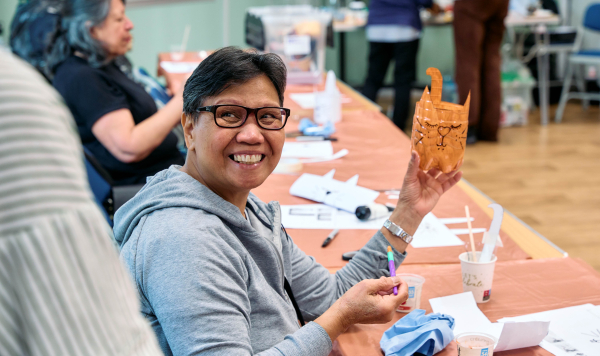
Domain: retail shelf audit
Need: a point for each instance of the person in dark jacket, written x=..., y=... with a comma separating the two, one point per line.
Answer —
x=393, y=30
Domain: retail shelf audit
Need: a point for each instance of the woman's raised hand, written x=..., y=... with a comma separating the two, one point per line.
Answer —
x=370, y=301
x=420, y=193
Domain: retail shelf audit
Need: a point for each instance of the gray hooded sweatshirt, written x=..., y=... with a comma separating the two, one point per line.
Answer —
x=212, y=283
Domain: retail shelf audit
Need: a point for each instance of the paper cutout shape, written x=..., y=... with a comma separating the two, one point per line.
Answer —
x=439, y=132
x=324, y=189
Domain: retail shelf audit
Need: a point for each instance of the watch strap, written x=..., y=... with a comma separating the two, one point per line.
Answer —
x=398, y=231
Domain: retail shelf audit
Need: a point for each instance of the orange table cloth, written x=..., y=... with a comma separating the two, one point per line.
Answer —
x=379, y=152
x=519, y=287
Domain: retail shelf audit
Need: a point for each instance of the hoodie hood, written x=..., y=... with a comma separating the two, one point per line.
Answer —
x=174, y=188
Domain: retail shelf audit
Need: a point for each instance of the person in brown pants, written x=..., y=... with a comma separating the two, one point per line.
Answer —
x=478, y=32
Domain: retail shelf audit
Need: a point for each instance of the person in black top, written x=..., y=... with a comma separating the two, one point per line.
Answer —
x=118, y=122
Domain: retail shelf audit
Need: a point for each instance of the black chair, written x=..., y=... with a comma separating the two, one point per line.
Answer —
x=108, y=196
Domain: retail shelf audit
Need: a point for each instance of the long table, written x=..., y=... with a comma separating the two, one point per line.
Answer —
x=531, y=274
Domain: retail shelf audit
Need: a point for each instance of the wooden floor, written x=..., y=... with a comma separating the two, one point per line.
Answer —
x=549, y=177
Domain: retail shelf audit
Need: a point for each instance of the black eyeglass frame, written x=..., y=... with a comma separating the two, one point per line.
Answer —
x=213, y=110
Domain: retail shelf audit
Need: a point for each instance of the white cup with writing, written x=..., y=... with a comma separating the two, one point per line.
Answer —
x=475, y=344
x=477, y=277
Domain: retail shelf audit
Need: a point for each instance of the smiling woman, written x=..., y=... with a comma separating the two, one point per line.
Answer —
x=216, y=270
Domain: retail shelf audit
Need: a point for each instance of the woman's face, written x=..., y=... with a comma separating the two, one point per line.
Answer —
x=217, y=150
x=113, y=33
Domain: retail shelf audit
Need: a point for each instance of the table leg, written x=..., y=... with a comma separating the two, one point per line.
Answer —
x=543, y=82
x=342, y=55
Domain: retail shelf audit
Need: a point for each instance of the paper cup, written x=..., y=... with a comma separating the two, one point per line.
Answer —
x=475, y=344
x=477, y=277
x=415, y=285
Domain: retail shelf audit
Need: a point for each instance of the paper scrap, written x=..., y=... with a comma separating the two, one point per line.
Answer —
x=339, y=154
x=305, y=100
x=332, y=192
x=179, y=67
x=468, y=317
x=433, y=233
x=308, y=100
x=466, y=231
x=516, y=335
x=308, y=149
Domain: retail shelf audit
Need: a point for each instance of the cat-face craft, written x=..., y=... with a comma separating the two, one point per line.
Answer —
x=439, y=131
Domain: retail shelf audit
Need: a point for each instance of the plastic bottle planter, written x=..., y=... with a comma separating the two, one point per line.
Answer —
x=439, y=131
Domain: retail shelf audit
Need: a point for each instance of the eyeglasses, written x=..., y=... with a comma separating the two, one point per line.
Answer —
x=232, y=116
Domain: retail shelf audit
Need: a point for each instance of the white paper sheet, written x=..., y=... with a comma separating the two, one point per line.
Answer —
x=309, y=149
x=574, y=331
x=332, y=192
x=468, y=317
x=319, y=216
x=305, y=100
x=432, y=233
x=179, y=67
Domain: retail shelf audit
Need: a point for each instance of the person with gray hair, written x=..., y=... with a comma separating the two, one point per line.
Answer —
x=63, y=290
x=118, y=122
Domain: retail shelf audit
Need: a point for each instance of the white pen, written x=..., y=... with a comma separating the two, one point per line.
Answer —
x=330, y=237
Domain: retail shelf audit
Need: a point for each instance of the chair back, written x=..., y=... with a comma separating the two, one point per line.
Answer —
x=591, y=19
x=100, y=183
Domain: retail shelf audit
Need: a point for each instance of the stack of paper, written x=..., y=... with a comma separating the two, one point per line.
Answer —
x=574, y=331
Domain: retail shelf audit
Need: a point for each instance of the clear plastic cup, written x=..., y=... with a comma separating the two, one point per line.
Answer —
x=477, y=277
x=176, y=53
x=475, y=344
x=415, y=286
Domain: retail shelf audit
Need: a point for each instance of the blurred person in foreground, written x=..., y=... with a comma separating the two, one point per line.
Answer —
x=394, y=30
x=478, y=32
x=216, y=271
x=63, y=290
x=117, y=120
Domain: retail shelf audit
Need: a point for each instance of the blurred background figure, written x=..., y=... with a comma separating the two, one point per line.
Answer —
x=393, y=30
x=478, y=32
x=117, y=120
x=63, y=290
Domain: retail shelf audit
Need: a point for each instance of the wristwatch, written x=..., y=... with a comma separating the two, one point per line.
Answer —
x=397, y=231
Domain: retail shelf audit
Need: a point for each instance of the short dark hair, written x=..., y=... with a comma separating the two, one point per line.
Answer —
x=230, y=66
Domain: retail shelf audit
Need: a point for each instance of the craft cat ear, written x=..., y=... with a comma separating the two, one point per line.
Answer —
x=467, y=103
x=437, y=82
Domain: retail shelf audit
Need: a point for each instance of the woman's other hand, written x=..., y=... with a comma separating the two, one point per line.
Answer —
x=370, y=301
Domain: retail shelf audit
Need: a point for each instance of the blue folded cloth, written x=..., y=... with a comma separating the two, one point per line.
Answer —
x=417, y=332
x=309, y=128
